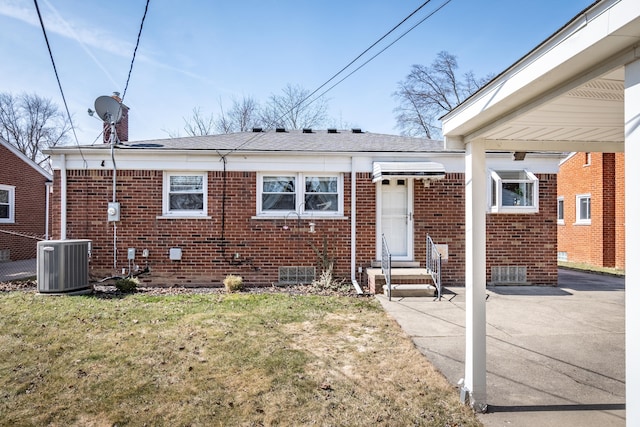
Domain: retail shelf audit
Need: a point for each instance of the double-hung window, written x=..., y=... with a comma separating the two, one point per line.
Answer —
x=304, y=193
x=184, y=194
x=7, y=204
x=560, y=210
x=514, y=191
x=583, y=209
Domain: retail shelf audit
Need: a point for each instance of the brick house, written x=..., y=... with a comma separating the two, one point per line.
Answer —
x=24, y=197
x=591, y=209
x=273, y=206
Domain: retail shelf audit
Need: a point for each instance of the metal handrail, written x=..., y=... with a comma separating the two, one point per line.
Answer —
x=434, y=264
x=385, y=263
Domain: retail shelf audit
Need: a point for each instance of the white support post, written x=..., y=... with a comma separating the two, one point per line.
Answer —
x=475, y=379
x=632, y=241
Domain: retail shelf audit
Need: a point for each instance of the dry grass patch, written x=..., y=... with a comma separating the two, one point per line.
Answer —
x=237, y=359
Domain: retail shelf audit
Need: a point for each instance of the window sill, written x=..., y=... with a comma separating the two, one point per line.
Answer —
x=294, y=218
x=514, y=211
x=561, y=222
x=582, y=223
x=183, y=217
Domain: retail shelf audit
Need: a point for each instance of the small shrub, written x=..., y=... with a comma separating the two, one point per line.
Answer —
x=127, y=284
x=233, y=283
x=326, y=282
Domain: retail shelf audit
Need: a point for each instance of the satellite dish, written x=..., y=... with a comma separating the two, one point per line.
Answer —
x=108, y=109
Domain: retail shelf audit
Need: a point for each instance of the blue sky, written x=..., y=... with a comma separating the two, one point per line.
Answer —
x=203, y=53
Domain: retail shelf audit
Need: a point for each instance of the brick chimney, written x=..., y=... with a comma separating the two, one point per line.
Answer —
x=122, y=127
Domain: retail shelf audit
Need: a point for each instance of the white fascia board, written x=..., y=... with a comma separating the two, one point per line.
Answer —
x=306, y=162
x=607, y=29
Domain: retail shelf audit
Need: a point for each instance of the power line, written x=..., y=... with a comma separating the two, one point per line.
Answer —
x=353, y=61
x=55, y=70
x=380, y=52
x=146, y=8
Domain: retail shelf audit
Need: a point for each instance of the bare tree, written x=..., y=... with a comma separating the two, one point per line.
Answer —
x=198, y=124
x=32, y=123
x=429, y=92
x=241, y=117
x=294, y=109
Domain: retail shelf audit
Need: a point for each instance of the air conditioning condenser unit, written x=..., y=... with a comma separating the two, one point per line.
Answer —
x=63, y=267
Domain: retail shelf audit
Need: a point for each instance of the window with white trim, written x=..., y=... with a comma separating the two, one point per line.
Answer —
x=560, y=210
x=7, y=204
x=304, y=193
x=583, y=209
x=514, y=191
x=184, y=194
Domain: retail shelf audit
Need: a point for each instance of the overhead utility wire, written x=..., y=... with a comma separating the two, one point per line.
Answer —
x=377, y=54
x=146, y=7
x=55, y=70
x=352, y=62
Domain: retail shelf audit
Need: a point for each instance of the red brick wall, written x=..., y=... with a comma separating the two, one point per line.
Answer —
x=620, y=213
x=209, y=248
x=527, y=239
x=30, y=206
x=602, y=242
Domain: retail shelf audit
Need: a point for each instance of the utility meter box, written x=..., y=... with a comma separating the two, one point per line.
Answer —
x=113, y=211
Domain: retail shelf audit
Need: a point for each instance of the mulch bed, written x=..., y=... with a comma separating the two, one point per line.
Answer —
x=110, y=291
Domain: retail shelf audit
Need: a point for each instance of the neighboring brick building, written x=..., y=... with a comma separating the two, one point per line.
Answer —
x=591, y=209
x=271, y=206
x=23, y=204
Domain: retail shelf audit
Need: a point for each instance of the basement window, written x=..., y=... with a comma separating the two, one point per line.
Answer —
x=296, y=275
x=513, y=191
x=302, y=193
x=184, y=194
x=7, y=204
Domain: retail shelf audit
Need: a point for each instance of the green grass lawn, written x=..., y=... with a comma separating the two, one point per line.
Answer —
x=214, y=360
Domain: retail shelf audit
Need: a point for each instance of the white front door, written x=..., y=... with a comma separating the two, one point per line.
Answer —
x=395, y=217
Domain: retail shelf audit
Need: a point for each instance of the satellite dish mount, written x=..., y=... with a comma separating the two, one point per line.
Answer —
x=109, y=109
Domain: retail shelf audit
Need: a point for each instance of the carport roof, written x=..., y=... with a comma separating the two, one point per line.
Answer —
x=565, y=95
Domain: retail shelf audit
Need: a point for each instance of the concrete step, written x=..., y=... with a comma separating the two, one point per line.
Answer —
x=403, y=276
x=408, y=290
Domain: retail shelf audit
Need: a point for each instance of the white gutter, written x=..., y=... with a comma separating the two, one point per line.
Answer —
x=63, y=197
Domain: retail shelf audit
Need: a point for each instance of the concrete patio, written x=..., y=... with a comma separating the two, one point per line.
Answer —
x=555, y=356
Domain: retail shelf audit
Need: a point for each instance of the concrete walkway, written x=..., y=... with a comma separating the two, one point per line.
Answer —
x=555, y=356
x=14, y=270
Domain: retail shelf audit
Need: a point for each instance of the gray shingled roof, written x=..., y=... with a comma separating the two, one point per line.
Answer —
x=290, y=141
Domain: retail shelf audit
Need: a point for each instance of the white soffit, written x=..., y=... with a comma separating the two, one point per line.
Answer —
x=424, y=170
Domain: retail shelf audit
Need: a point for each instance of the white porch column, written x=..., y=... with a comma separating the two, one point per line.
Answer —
x=475, y=376
x=632, y=241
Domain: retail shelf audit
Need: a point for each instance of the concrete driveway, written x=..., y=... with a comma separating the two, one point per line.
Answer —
x=555, y=356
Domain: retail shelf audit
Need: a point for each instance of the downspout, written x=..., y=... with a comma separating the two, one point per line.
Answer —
x=63, y=197
x=47, y=189
x=353, y=228
x=113, y=137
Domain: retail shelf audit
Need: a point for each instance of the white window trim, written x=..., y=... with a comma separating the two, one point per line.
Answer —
x=498, y=208
x=300, y=191
x=578, y=220
x=166, y=213
x=560, y=220
x=12, y=204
